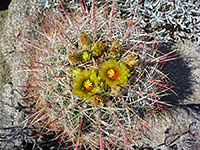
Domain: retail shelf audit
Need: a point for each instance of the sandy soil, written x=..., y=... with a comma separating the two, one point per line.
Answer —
x=4, y=67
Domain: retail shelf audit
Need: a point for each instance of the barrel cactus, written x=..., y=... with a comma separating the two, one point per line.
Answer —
x=94, y=77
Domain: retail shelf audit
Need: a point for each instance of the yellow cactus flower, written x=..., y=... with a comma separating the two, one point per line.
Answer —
x=86, y=84
x=84, y=41
x=76, y=72
x=98, y=48
x=114, y=73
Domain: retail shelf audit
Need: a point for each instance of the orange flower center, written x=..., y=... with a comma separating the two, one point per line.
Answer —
x=88, y=86
x=113, y=74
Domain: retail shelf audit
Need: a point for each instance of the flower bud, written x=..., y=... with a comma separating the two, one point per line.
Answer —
x=72, y=57
x=84, y=41
x=97, y=100
x=115, y=90
x=98, y=48
x=130, y=60
x=114, y=49
x=84, y=56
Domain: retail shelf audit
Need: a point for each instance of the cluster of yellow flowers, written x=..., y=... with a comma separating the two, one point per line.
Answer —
x=93, y=83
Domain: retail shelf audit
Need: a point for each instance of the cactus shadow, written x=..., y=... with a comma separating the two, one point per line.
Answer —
x=179, y=73
x=4, y=4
